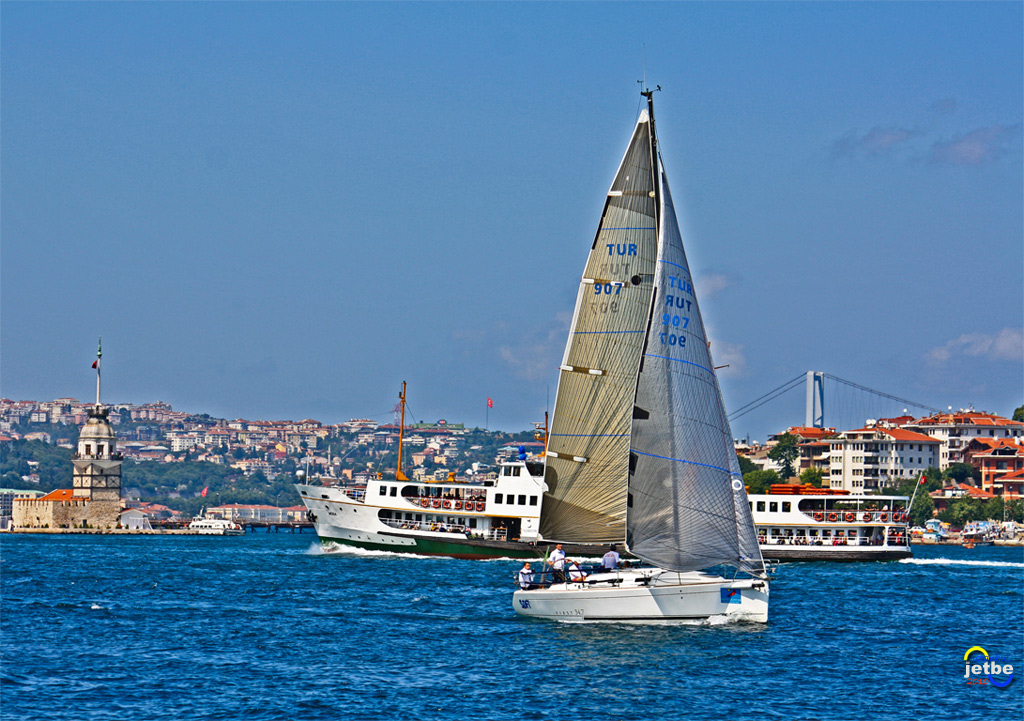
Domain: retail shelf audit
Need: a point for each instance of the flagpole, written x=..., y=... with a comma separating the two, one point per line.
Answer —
x=920, y=482
x=99, y=356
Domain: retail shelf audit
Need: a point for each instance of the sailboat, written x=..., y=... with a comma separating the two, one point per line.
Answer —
x=640, y=451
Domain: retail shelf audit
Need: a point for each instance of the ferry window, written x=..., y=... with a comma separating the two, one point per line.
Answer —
x=383, y=490
x=472, y=523
x=497, y=497
x=394, y=490
x=785, y=506
x=515, y=470
x=760, y=506
x=773, y=506
x=533, y=500
x=522, y=500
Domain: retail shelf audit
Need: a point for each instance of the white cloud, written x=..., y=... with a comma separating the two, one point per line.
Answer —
x=713, y=283
x=1007, y=344
x=731, y=355
x=976, y=147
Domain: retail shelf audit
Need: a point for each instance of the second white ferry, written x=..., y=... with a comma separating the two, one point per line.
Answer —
x=804, y=523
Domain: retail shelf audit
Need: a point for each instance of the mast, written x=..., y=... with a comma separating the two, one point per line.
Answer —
x=401, y=429
x=649, y=94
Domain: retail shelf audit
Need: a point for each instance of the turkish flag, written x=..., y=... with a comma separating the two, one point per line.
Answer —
x=94, y=363
x=490, y=403
x=203, y=494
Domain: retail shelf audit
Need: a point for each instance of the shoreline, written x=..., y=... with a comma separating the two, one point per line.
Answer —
x=958, y=542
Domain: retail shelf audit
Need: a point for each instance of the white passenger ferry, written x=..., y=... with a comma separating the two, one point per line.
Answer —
x=804, y=523
x=487, y=518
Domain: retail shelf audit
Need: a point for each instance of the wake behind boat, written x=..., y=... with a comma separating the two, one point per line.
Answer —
x=640, y=449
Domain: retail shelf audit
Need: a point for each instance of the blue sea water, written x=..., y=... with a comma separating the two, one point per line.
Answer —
x=266, y=626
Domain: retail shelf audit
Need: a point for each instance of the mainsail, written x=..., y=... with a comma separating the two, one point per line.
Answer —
x=588, y=443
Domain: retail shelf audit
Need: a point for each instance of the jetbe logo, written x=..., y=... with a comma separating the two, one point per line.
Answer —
x=996, y=669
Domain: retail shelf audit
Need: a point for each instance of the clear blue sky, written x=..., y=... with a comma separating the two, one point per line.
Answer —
x=283, y=210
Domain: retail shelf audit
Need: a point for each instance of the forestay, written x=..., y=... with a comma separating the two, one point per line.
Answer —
x=588, y=443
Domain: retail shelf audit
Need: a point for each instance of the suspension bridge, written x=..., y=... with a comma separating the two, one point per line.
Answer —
x=850, y=402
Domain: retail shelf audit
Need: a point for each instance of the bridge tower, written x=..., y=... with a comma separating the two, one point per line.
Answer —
x=815, y=415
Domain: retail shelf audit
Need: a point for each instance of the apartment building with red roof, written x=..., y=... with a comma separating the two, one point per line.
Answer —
x=867, y=459
x=955, y=430
x=998, y=459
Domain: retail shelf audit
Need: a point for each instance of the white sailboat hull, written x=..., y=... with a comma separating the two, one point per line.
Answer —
x=648, y=595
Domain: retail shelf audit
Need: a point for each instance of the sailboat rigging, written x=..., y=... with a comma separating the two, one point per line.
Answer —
x=640, y=449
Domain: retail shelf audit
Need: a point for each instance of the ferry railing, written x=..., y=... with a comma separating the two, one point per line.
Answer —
x=491, y=534
x=893, y=540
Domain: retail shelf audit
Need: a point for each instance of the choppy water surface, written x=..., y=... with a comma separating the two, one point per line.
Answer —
x=266, y=626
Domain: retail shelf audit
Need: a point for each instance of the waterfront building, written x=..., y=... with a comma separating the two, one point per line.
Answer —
x=7, y=496
x=1001, y=463
x=956, y=430
x=868, y=459
x=943, y=497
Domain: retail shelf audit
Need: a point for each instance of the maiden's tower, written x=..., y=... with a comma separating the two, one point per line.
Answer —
x=94, y=501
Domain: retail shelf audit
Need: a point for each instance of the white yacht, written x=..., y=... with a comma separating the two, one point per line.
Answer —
x=209, y=526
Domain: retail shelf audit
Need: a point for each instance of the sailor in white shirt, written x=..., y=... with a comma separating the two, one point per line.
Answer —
x=526, y=577
x=610, y=560
x=557, y=561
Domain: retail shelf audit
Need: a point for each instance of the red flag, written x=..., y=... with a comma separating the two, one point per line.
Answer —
x=923, y=479
x=203, y=494
x=490, y=403
x=94, y=363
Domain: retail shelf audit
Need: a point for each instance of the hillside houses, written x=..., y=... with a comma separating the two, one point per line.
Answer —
x=886, y=452
x=156, y=432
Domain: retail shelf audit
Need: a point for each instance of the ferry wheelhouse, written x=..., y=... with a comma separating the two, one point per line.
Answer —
x=804, y=523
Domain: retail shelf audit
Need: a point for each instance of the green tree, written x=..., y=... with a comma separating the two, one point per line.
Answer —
x=746, y=465
x=812, y=477
x=1018, y=415
x=960, y=472
x=785, y=452
x=962, y=511
x=992, y=509
x=760, y=481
